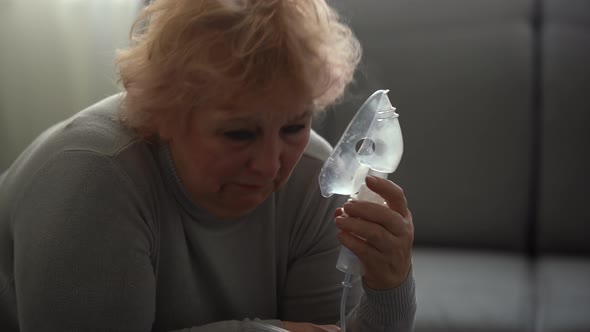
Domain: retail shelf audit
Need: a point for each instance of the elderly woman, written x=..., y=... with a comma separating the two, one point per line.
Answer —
x=190, y=200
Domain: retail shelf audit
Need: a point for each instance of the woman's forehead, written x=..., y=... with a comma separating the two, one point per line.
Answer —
x=277, y=102
x=252, y=113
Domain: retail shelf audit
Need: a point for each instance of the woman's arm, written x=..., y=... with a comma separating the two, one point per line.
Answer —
x=314, y=285
x=82, y=249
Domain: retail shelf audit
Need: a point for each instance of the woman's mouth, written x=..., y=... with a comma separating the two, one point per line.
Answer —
x=252, y=186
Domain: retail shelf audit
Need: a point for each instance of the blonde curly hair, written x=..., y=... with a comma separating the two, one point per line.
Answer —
x=188, y=53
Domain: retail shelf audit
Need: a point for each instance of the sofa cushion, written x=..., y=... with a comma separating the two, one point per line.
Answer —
x=563, y=288
x=564, y=217
x=460, y=75
x=472, y=291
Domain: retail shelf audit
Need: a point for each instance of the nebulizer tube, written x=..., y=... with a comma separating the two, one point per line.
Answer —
x=346, y=288
x=372, y=145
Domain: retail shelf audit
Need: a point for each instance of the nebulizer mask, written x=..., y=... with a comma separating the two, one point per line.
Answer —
x=372, y=144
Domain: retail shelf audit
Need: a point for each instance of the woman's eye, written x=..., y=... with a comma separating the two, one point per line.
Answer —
x=293, y=129
x=240, y=135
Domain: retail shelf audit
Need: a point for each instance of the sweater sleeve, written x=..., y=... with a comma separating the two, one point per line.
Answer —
x=82, y=249
x=388, y=311
x=314, y=285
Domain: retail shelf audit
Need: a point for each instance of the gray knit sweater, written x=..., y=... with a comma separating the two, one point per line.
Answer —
x=98, y=234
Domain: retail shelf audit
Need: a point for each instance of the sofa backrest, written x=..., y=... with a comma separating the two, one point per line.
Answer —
x=460, y=73
x=564, y=187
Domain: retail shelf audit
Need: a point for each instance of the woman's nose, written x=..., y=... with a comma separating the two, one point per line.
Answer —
x=266, y=158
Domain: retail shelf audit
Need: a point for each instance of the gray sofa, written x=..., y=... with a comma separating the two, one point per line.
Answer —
x=493, y=98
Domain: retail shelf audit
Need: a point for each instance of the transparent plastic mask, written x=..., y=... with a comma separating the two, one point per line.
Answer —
x=371, y=142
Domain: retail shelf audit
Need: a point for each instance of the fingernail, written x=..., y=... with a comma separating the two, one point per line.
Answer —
x=370, y=179
x=347, y=206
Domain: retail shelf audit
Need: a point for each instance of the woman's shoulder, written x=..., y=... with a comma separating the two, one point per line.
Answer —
x=80, y=145
x=79, y=170
x=95, y=129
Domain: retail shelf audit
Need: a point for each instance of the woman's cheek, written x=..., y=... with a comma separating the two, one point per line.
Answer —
x=293, y=158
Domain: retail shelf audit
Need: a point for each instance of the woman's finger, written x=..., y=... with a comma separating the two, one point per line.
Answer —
x=358, y=246
x=338, y=212
x=382, y=215
x=391, y=193
x=329, y=328
x=373, y=234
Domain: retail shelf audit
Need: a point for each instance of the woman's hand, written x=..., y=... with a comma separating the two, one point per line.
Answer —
x=380, y=235
x=308, y=327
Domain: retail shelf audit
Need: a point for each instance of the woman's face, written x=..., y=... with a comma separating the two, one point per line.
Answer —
x=232, y=156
